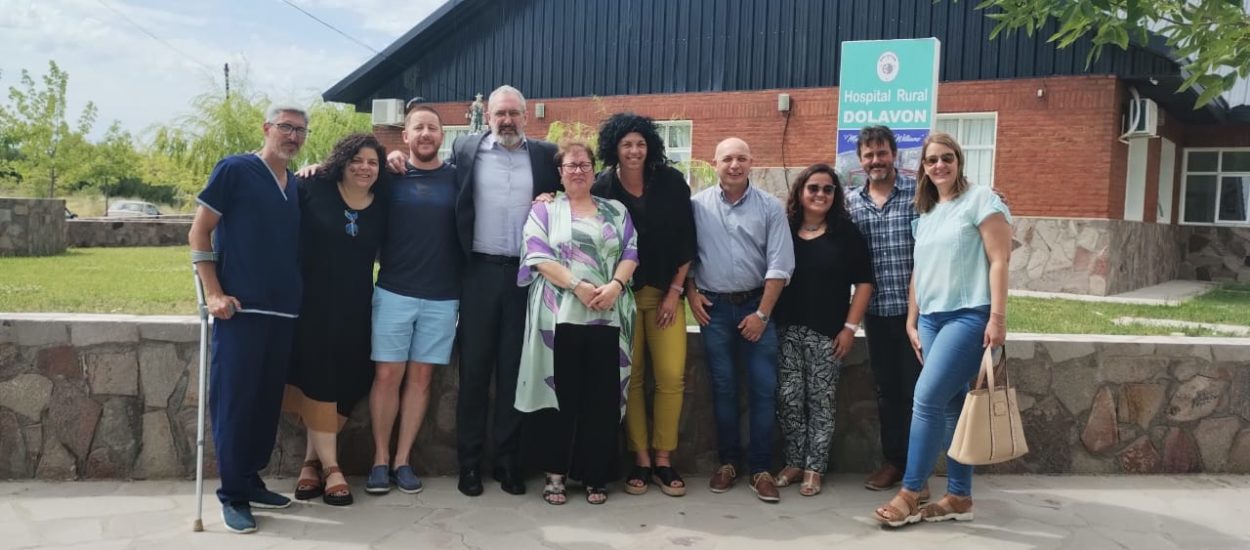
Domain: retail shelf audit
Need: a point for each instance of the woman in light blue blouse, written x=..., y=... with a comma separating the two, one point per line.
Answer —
x=958, y=307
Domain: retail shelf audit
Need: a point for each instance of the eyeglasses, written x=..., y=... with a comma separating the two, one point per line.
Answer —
x=573, y=168
x=287, y=129
x=352, y=228
x=510, y=114
x=948, y=158
x=815, y=188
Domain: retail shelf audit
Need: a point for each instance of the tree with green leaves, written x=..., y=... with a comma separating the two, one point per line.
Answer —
x=113, y=161
x=48, y=149
x=219, y=126
x=1212, y=37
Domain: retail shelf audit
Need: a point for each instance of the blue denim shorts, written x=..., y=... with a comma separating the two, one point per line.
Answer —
x=412, y=329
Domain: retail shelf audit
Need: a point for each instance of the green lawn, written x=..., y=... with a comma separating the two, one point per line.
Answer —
x=155, y=280
x=159, y=281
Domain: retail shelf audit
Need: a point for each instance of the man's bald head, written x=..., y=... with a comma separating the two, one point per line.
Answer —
x=733, y=162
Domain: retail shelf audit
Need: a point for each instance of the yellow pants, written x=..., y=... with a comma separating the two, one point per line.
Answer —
x=668, y=361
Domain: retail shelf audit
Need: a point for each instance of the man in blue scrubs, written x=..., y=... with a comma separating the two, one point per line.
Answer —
x=244, y=246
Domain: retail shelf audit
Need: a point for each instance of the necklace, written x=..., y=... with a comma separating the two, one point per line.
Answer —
x=816, y=227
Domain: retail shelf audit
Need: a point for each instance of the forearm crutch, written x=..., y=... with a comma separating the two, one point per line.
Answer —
x=202, y=306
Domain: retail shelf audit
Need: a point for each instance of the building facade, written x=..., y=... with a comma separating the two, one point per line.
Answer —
x=1098, y=211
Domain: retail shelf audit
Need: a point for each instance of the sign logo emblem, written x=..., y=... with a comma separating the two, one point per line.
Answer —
x=887, y=66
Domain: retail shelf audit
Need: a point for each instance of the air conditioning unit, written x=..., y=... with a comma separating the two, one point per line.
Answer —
x=1142, y=118
x=388, y=112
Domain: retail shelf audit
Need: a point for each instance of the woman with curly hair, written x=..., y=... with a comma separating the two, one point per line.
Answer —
x=637, y=174
x=341, y=227
x=817, y=319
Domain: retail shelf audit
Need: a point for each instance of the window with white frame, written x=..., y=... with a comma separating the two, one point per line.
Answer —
x=977, y=134
x=1216, y=186
x=676, y=135
x=450, y=133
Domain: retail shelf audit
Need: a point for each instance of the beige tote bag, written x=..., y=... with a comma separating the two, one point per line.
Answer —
x=989, y=429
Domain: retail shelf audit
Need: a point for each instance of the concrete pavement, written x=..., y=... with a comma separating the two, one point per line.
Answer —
x=1025, y=512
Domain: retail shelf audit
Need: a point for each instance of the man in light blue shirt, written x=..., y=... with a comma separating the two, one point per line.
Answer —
x=503, y=184
x=745, y=257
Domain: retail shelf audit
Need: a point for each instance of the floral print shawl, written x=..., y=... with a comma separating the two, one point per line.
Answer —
x=591, y=248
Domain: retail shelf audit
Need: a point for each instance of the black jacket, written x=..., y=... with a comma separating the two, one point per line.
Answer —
x=666, y=235
x=464, y=154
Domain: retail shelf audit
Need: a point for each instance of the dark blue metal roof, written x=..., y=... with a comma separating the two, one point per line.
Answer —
x=579, y=48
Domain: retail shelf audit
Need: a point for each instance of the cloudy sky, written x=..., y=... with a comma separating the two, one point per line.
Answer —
x=141, y=61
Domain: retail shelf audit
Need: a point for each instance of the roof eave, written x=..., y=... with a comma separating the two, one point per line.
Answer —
x=348, y=90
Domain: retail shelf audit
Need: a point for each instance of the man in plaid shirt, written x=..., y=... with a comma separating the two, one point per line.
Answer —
x=883, y=209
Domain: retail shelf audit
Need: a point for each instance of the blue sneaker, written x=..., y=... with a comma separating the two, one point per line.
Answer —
x=264, y=498
x=238, y=518
x=379, y=482
x=407, y=480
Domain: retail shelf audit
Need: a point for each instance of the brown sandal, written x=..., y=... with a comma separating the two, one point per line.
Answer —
x=901, y=510
x=336, y=495
x=789, y=476
x=811, y=484
x=948, y=508
x=308, y=488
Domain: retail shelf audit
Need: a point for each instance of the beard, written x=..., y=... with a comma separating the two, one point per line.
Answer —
x=425, y=158
x=883, y=176
x=508, y=136
x=282, y=152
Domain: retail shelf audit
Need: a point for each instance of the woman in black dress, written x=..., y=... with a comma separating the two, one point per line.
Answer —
x=342, y=221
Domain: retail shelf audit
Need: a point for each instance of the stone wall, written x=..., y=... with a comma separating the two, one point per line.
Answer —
x=1104, y=257
x=94, y=396
x=1216, y=254
x=1097, y=257
x=32, y=227
x=122, y=232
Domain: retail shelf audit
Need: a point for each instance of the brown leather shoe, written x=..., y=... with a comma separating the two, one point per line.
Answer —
x=886, y=477
x=723, y=479
x=765, y=488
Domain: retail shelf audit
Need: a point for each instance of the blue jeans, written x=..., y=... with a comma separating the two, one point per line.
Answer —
x=722, y=344
x=951, y=343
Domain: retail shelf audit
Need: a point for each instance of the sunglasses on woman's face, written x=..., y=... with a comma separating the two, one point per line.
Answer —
x=814, y=188
x=948, y=158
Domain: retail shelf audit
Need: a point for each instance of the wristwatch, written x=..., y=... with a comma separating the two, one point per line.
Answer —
x=763, y=316
x=573, y=282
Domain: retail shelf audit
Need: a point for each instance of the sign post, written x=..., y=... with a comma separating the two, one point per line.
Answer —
x=889, y=83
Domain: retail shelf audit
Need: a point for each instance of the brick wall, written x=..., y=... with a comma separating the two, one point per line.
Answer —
x=1057, y=155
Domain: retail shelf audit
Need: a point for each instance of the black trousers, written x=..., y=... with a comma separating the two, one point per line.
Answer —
x=896, y=369
x=492, y=323
x=581, y=438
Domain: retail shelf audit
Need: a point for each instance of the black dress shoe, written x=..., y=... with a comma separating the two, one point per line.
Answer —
x=510, y=479
x=470, y=483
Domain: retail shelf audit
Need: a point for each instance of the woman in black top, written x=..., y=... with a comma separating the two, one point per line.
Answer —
x=637, y=174
x=341, y=225
x=817, y=324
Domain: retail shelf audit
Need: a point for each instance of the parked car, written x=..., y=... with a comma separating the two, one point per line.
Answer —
x=125, y=209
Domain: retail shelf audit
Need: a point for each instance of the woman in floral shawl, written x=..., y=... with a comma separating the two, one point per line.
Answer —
x=578, y=255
